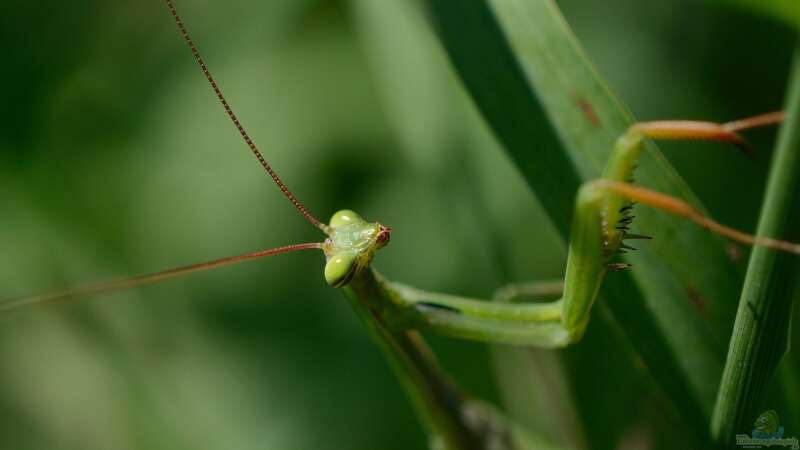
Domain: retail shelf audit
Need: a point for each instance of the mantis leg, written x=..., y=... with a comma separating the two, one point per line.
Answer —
x=628, y=148
x=599, y=228
x=536, y=324
x=553, y=324
x=515, y=292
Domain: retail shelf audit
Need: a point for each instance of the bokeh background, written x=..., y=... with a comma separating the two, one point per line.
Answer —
x=115, y=159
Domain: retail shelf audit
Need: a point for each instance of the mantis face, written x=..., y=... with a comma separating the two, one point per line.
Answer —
x=351, y=244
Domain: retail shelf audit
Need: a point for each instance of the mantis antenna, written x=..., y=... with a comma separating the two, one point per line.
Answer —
x=124, y=283
x=285, y=190
x=139, y=280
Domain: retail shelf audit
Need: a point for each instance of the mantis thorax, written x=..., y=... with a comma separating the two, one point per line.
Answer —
x=351, y=245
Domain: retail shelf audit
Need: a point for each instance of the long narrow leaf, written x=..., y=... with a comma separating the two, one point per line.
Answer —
x=761, y=331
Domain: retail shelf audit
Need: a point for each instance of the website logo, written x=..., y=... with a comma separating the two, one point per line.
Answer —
x=767, y=432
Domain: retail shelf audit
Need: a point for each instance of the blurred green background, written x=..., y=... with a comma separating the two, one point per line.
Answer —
x=115, y=159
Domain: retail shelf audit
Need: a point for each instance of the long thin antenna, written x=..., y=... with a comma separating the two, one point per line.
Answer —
x=124, y=283
x=310, y=217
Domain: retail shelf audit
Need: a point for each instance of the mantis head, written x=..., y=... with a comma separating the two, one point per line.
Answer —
x=351, y=245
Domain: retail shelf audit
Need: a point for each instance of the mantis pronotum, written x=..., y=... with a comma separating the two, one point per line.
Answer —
x=600, y=207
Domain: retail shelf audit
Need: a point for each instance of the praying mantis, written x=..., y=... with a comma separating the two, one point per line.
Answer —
x=601, y=206
x=600, y=227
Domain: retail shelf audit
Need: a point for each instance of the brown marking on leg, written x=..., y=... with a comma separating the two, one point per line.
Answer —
x=708, y=131
x=690, y=130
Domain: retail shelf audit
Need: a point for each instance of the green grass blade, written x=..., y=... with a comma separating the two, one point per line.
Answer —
x=558, y=120
x=761, y=330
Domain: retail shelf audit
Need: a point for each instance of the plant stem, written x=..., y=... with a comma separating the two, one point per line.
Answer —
x=760, y=331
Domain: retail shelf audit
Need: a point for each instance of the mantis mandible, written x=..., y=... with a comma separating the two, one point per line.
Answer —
x=599, y=231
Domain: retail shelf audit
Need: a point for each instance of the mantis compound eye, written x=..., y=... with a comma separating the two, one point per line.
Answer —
x=384, y=233
x=344, y=217
x=340, y=268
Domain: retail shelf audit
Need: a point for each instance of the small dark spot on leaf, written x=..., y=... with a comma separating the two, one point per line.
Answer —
x=588, y=111
x=733, y=251
x=754, y=311
x=697, y=299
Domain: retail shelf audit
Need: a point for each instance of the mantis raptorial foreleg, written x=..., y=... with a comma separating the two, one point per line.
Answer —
x=599, y=227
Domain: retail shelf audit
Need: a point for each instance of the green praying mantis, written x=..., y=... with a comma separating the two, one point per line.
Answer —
x=599, y=231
